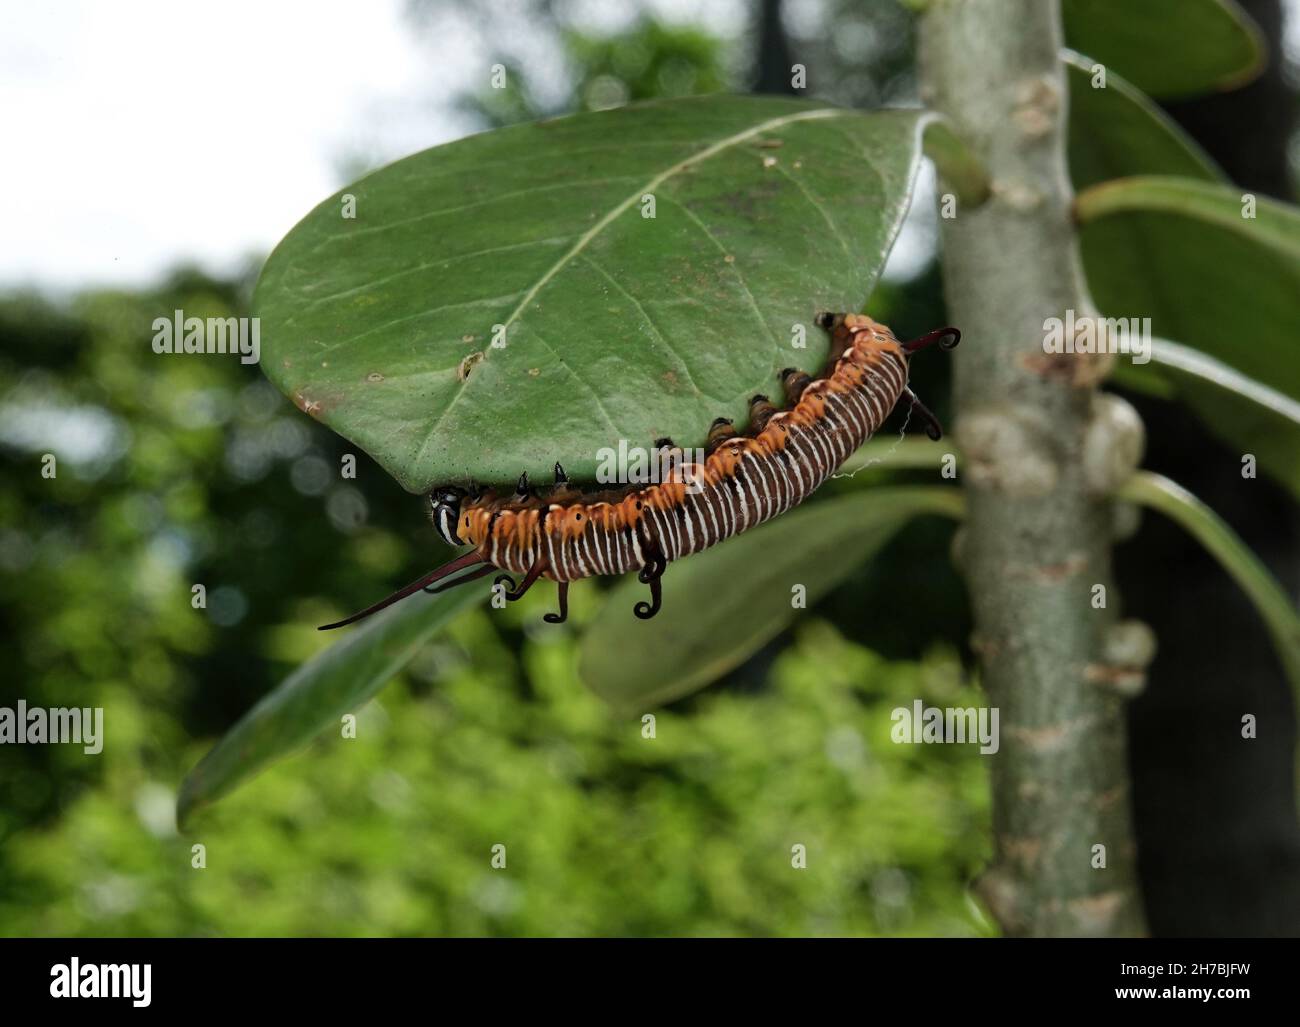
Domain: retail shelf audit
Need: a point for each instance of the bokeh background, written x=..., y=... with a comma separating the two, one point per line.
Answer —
x=159, y=155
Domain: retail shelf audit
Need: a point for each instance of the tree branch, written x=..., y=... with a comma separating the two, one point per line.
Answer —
x=1041, y=449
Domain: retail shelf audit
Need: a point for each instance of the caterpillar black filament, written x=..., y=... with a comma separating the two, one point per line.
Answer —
x=745, y=480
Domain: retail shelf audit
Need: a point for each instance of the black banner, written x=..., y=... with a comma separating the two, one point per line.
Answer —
x=169, y=976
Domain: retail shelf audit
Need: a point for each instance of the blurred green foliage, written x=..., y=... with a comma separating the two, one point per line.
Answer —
x=649, y=60
x=606, y=832
x=854, y=54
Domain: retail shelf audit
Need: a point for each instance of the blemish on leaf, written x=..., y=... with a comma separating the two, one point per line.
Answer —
x=467, y=365
x=533, y=372
x=374, y=376
x=308, y=405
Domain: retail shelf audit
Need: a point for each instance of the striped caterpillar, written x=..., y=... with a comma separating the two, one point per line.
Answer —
x=745, y=480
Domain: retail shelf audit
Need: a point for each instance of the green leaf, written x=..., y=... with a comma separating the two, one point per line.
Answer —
x=616, y=326
x=1275, y=608
x=1206, y=276
x=722, y=605
x=316, y=695
x=1275, y=225
x=1168, y=48
x=1115, y=132
x=1243, y=412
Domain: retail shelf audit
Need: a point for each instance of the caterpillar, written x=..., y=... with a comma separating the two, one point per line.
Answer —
x=746, y=479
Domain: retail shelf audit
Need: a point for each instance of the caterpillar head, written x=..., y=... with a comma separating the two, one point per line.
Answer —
x=444, y=511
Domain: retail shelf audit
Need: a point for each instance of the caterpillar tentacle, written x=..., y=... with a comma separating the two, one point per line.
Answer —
x=947, y=338
x=466, y=560
x=433, y=590
x=783, y=456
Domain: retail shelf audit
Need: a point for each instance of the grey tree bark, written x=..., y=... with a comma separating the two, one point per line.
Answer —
x=1041, y=450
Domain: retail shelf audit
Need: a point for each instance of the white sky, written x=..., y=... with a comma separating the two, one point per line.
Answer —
x=148, y=132
x=143, y=133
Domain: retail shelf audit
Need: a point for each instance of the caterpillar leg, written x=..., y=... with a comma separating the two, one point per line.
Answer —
x=534, y=572
x=760, y=412
x=841, y=335
x=721, y=430
x=562, y=491
x=932, y=426
x=559, y=618
x=795, y=381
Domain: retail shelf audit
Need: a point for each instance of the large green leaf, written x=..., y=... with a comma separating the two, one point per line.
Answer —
x=616, y=326
x=1115, y=132
x=721, y=605
x=1168, y=48
x=316, y=695
x=1180, y=252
